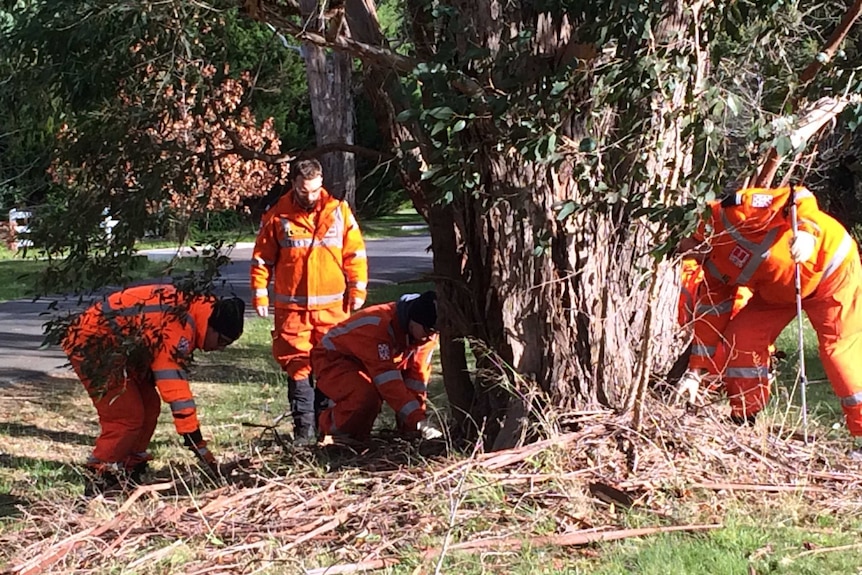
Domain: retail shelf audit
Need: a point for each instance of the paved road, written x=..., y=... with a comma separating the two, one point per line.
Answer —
x=390, y=260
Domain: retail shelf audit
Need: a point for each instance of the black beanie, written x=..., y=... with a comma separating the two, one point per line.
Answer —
x=227, y=317
x=423, y=310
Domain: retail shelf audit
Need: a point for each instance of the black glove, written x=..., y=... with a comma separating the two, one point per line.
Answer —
x=198, y=445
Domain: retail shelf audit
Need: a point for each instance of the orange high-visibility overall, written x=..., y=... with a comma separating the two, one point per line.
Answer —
x=128, y=350
x=750, y=235
x=690, y=282
x=366, y=360
x=315, y=257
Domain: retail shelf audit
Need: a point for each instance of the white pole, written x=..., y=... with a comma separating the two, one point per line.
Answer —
x=799, y=323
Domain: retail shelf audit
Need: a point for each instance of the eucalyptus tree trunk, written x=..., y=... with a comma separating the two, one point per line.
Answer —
x=330, y=90
x=563, y=309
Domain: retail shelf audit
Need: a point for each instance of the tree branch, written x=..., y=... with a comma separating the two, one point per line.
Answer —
x=351, y=148
x=376, y=54
x=769, y=168
x=247, y=153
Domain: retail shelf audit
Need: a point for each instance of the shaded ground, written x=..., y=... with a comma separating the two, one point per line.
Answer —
x=395, y=502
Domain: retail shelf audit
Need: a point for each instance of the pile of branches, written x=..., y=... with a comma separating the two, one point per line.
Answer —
x=342, y=509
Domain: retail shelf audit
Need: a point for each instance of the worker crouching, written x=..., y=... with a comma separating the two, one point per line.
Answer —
x=382, y=353
x=132, y=348
x=751, y=243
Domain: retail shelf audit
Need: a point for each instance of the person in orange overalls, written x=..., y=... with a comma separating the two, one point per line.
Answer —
x=311, y=243
x=382, y=353
x=133, y=347
x=752, y=244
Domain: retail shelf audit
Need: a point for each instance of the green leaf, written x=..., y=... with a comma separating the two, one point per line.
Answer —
x=459, y=125
x=732, y=104
x=558, y=88
x=783, y=145
x=405, y=115
x=567, y=209
x=442, y=113
x=438, y=127
x=587, y=145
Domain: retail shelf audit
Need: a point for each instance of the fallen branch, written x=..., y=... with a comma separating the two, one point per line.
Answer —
x=564, y=540
x=758, y=487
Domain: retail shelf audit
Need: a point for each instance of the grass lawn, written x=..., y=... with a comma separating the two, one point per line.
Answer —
x=397, y=503
x=17, y=273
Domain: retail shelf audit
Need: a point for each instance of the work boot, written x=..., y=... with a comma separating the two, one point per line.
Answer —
x=103, y=479
x=304, y=435
x=136, y=475
x=300, y=394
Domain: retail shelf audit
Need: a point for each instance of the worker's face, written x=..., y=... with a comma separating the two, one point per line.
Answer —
x=307, y=191
x=214, y=341
x=419, y=333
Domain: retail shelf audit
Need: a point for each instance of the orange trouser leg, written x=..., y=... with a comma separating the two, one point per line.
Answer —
x=296, y=333
x=121, y=415
x=837, y=318
x=356, y=401
x=151, y=403
x=748, y=338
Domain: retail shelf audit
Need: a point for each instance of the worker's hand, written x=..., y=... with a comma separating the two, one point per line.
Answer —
x=261, y=302
x=428, y=430
x=802, y=246
x=688, y=386
x=198, y=445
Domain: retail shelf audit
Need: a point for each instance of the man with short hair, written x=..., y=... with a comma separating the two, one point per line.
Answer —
x=383, y=353
x=310, y=243
x=131, y=348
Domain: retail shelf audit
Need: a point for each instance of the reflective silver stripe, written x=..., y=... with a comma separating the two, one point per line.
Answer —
x=183, y=404
x=713, y=270
x=330, y=242
x=111, y=313
x=386, y=377
x=408, y=408
x=358, y=285
x=716, y=309
x=171, y=374
x=852, y=400
x=430, y=357
x=260, y=262
x=347, y=328
x=139, y=309
x=203, y=451
x=747, y=372
x=839, y=256
x=702, y=350
x=802, y=193
x=298, y=243
x=359, y=255
x=309, y=300
x=416, y=385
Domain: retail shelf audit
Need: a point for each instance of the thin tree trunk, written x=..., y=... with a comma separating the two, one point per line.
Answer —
x=330, y=89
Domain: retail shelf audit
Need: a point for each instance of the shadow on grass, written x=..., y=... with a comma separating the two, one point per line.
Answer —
x=387, y=450
x=11, y=505
x=26, y=430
